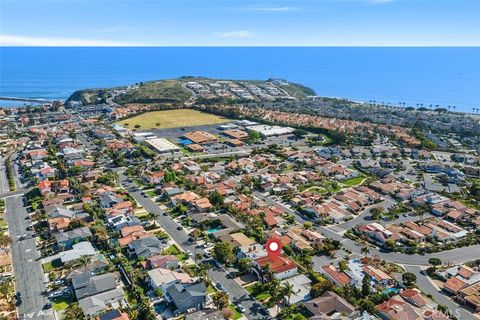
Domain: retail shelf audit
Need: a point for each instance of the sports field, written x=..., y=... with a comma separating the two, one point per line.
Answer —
x=172, y=119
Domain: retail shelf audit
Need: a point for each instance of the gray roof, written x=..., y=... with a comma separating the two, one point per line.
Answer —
x=93, y=305
x=328, y=303
x=86, y=284
x=80, y=249
x=146, y=247
x=55, y=212
x=79, y=233
x=181, y=292
x=108, y=199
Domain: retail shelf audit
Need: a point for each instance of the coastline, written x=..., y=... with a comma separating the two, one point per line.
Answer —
x=392, y=75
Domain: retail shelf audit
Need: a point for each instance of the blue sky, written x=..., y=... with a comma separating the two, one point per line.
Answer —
x=240, y=22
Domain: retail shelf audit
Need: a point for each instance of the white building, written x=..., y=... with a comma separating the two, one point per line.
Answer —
x=162, y=145
x=270, y=131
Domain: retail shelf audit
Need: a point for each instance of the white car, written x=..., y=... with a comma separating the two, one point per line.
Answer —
x=240, y=308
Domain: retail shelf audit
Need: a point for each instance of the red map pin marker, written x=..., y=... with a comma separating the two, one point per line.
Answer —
x=273, y=247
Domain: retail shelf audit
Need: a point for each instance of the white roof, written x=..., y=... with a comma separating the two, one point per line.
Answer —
x=271, y=130
x=80, y=249
x=162, y=276
x=162, y=144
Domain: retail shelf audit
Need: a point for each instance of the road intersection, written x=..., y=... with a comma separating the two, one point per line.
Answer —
x=217, y=274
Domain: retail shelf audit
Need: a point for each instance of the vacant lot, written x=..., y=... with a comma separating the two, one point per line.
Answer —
x=172, y=119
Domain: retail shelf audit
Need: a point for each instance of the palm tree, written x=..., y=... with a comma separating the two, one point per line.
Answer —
x=287, y=291
x=365, y=250
x=83, y=262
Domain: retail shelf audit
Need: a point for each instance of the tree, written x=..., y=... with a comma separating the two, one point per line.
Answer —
x=216, y=199
x=300, y=132
x=223, y=252
x=435, y=262
x=169, y=176
x=73, y=312
x=5, y=241
x=366, y=285
x=227, y=313
x=320, y=288
x=409, y=279
x=220, y=300
x=244, y=264
x=83, y=261
x=342, y=265
x=158, y=292
x=307, y=224
x=367, y=305
x=196, y=233
x=287, y=291
x=254, y=135
x=365, y=250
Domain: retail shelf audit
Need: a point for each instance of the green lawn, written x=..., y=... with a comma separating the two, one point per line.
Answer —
x=151, y=193
x=316, y=189
x=236, y=314
x=49, y=266
x=297, y=316
x=331, y=186
x=353, y=181
x=174, y=251
x=263, y=296
x=61, y=304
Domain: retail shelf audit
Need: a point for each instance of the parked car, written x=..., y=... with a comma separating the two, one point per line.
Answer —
x=240, y=308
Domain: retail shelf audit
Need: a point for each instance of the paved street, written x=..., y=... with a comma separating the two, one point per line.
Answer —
x=456, y=256
x=235, y=291
x=427, y=287
x=26, y=261
x=3, y=177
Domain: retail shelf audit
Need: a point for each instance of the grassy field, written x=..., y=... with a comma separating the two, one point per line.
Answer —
x=172, y=119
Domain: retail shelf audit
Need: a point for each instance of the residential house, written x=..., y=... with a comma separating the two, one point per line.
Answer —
x=160, y=278
x=145, y=247
x=338, y=277
x=166, y=262
x=65, y=239
x=329, y=306
x=186, y=296
x=280, y=267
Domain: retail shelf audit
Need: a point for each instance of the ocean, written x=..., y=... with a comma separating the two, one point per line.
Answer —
x=414, y=75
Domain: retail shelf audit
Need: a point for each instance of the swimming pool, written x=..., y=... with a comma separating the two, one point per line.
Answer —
x=215, y=229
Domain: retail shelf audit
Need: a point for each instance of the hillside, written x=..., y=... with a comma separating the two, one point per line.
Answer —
x=164, y=91
x=178, y=91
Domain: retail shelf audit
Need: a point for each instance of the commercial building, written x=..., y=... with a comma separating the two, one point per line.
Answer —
x=162, y=145
x=271, y=131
